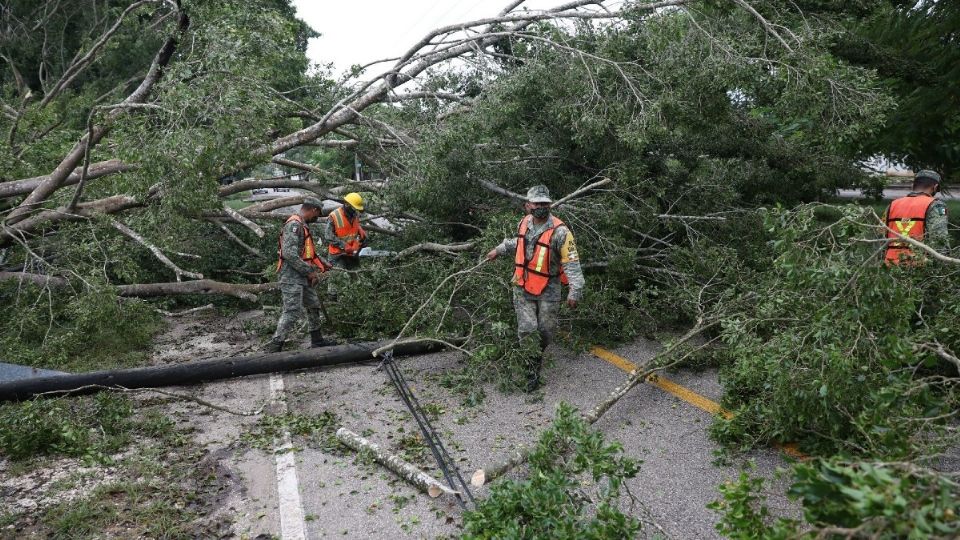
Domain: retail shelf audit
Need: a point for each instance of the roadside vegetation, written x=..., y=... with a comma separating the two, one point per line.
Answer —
x=123, y=469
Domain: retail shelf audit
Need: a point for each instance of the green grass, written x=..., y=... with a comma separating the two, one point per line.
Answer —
x=238, y=204
x=163, y=487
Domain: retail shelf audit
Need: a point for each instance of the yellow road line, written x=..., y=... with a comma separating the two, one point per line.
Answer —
x=664, y=384
x=683, y=393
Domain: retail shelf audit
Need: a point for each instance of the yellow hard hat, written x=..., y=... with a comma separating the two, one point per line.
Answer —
x=354, y=200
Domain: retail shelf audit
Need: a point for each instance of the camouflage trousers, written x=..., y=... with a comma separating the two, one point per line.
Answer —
x=535, y=316
x=296, y=299
x=339, y=278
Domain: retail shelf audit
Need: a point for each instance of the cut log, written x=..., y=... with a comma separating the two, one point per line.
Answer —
x=243, y=291
x=202, y=371
x=396, y=464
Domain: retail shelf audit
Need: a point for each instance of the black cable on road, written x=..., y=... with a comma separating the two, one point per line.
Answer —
x=447, y=465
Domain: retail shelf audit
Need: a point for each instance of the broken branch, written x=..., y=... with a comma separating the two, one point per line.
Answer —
x=395, y=464
x=130, y=233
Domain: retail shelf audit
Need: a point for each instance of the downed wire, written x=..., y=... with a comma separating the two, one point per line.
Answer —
x=450, y=471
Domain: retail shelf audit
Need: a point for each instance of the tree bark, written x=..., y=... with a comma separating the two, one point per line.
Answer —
x=396, y=464
x=241, y=219
x=30, y=225
x=16, y=188
x=244, y=291
x=257, y=183
x=42, y=280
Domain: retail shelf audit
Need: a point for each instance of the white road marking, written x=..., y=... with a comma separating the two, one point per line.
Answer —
x=292, y=525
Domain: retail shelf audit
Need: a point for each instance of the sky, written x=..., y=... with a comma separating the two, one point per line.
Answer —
x=361, y=31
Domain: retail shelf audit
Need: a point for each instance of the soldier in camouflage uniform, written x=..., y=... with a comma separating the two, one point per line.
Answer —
x=300, y=268
x=548, y=258
x=919, y=216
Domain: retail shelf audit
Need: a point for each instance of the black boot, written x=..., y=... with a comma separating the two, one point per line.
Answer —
x=534, y=382
x=273, y=346
x=317, y=340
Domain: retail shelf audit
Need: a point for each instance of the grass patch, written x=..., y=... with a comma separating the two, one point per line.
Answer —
x=90, y=428
x=237, y=204
x=89, y=331
x=163, y=489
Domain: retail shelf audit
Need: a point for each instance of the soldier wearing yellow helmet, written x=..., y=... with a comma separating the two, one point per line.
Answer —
x=345, y=237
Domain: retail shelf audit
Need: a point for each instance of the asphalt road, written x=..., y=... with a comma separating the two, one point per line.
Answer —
x=346, y=497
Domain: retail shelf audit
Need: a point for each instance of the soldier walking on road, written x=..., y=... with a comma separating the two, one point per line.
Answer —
x=919, y=216
x=300, y=269
x=545, y=256
x=345, y=237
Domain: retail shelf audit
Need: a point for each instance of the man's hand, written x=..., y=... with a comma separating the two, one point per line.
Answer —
x=492, y=255
x=313, y=278
x=571, y=303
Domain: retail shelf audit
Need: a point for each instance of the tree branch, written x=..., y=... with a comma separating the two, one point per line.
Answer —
x=582, y=191
x=56, y=178
x=231, y=235
x=239, y=218
x=449, y=249
x=86, y=60
x=501, y=191
x=16, y=188
x=130, y=233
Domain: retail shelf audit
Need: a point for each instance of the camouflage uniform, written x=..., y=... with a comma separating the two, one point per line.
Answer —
x=538, y=313
x=294, y=285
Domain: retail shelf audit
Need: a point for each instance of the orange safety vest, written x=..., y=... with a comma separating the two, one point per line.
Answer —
x=309, y=251
x=907, y=216
x=347, y=230
x=533, y=274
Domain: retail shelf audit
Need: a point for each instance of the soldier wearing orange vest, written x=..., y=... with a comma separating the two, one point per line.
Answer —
x=300, y=268
x=918, y=216
x=545, y=256
x=345, y=238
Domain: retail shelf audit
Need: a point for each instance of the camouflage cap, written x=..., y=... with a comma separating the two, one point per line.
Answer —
x=538, y=194
x=313, y=201
x=927, y=173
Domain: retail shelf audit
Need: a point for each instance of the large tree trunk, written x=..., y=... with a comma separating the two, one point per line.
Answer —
x=401, y=468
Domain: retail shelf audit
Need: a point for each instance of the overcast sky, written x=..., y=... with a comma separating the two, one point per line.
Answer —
x=361, y=31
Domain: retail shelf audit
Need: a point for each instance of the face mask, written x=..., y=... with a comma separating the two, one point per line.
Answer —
x=349, y=211
x=540, y=213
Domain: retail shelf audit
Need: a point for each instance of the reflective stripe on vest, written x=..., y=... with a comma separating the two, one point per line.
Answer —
x=907, y=217
x=534, y=274
x=345, y=229
x=309, y=251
